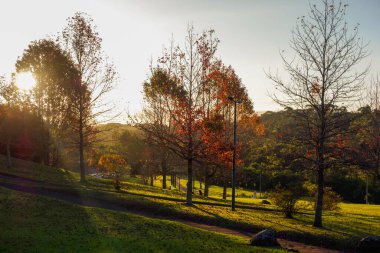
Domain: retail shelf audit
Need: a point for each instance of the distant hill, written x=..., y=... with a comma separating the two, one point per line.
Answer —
x=110, y=133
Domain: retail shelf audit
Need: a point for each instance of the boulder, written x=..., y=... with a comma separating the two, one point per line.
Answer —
x=369, y=244
x=265, y=238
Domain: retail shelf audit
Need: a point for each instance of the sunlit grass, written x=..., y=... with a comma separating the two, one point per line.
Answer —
x=31, y=223
x=342, y=228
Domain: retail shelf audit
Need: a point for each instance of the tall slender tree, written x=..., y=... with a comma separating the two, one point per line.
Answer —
x=96, y=77
x=323, y=78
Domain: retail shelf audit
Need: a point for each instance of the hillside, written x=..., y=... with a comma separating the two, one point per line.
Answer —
x=343, y=228
x=45, y=223
x=109, y=133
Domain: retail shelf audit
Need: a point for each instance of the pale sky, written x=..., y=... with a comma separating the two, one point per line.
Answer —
x=251, y=33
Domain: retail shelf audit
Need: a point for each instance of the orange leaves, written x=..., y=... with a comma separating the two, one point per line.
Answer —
x=112, y=162
x=252, y=123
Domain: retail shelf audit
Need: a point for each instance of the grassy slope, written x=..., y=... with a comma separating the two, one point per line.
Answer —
x=342, y=229
x=31, y=223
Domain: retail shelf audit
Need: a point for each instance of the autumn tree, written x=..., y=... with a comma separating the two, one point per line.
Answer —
x=115, y=166
x=322, y=80
x=217, y=124
x=54, y=73
x=173, y=95
x=96, y=77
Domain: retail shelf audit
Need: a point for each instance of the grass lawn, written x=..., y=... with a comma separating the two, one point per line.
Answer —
x=31, y=223
x=342, y=229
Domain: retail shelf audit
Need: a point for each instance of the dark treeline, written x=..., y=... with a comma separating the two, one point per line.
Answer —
x=275, y=158
x=279, y=158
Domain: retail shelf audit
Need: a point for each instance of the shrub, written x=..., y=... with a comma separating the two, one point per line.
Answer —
x=330, y=198
x=286, y=198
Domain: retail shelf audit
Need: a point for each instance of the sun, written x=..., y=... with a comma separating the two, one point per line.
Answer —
x=25, y=80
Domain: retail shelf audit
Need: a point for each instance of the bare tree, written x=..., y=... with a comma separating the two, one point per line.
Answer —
x=322, y=81
x=96, y=78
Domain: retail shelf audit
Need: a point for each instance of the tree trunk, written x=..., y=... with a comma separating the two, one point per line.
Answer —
x=225, y=189
x=164, y=171
x=318, y=210
x=173, y=180
x=81, y=142
x=206, y=186
x=189, y=196
x=321, y=167
x=9, y=160
x=200, y=184
x=151, y=181
x=117, y=182
x=164, y=180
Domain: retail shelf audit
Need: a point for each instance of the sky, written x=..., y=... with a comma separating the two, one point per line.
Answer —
x=251, y=34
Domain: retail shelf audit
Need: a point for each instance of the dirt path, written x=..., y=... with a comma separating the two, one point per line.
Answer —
x=33, y=187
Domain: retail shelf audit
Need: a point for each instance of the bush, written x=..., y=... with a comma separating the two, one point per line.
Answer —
x=286, y=198
x=330, y=198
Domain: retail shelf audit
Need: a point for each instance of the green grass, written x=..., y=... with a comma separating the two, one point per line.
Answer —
x=216, y=192
x=31, y=223
x=342, y=229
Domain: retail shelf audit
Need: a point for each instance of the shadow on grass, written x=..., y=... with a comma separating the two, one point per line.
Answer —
x=31, y=223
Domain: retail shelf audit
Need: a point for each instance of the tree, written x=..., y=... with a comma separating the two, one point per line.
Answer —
x=10, y=99
x=132, y=144
x=217, y=123
x=96, y=77
x=21, y=129
x=54, y=73
x=144, y=155
x=322, y=79
x=113, y=165
x=366, y=143
x=173, y=95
